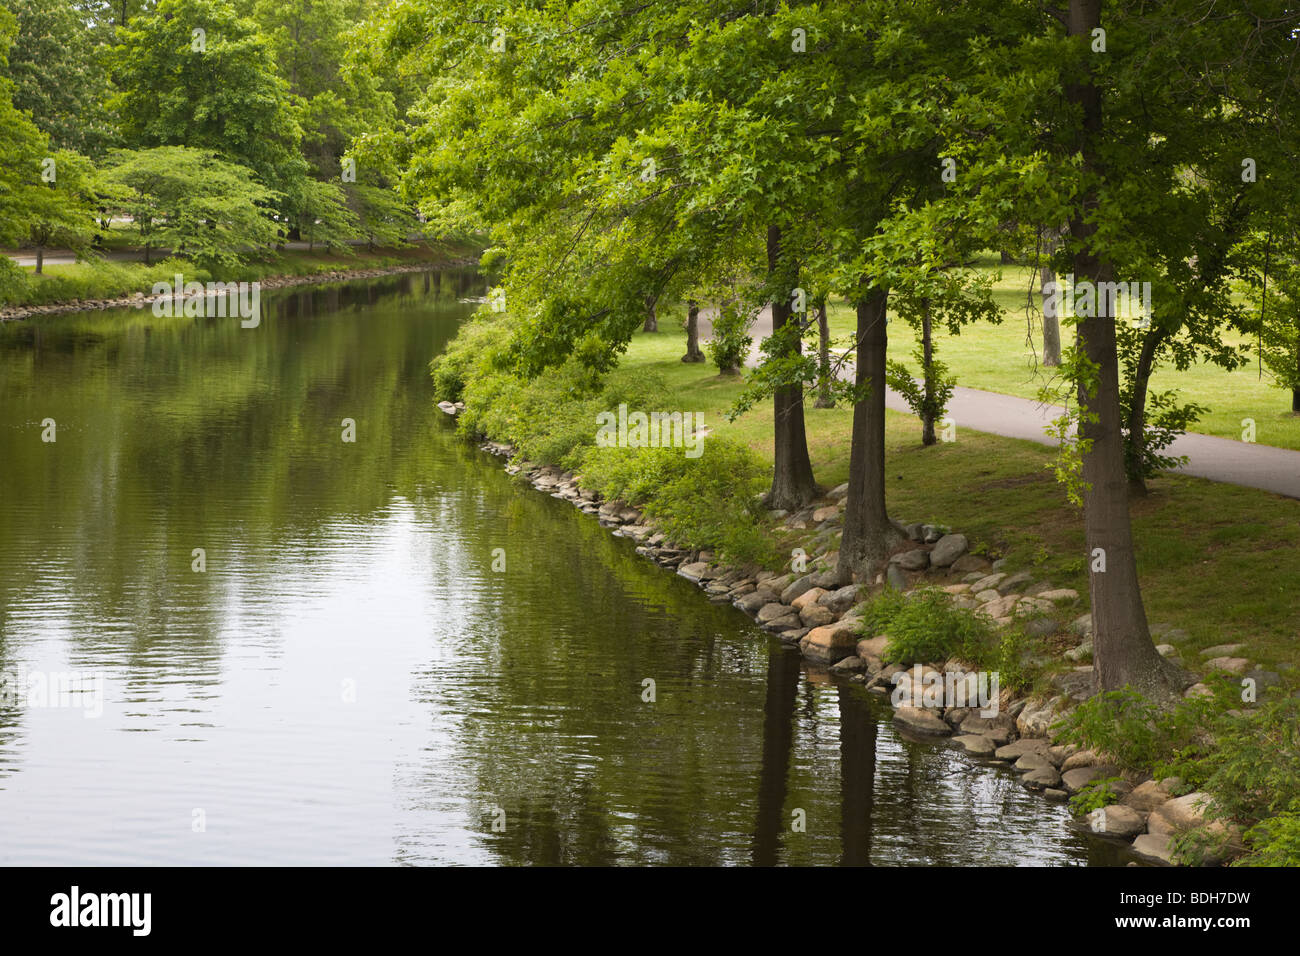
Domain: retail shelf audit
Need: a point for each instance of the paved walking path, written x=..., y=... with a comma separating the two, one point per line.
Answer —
x=1218, y=459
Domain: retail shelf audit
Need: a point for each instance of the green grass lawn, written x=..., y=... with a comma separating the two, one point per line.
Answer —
x=1215, y=560
x=1006, y=358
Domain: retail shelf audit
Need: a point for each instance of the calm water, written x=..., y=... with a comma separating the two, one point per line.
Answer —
x=349, y=681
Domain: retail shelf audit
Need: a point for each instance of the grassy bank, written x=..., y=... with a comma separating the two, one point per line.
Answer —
x=106, y=279
x=1216, y=561
x=1007, y=358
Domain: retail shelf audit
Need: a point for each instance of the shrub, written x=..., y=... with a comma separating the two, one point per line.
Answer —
x=924, y=626
x=1095, y=795
x=1275, y=841
x=729, y=346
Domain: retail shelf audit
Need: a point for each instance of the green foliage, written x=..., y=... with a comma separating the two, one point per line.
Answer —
x=929, y=397
x=923, y=625
x=706, y=502
x=470, y=353
x=1094, y=796
x=1274, y=841
x=192, y=201
x=1137, y=733
x=731, y=340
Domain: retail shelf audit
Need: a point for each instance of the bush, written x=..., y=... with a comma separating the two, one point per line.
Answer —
x=729, y=346
x=924, y=626
x=1137, y=733
x=707, y=502
x=1275, y=841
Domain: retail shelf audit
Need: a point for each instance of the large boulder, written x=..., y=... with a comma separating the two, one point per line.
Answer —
x=921, y=721
x=1115, y=821
x=831, y=643
x=1078, y=778
x=797, y=587
x=948, y=549
x=810, y=596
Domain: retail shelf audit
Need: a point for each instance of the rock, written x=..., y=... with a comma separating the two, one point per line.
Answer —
x=822, y=514
x=1263, y=678
x=915, y=560
x=693, y=571
x=1015, y=582
x=796, y=588
x=1223, y=650
x=815, y=615
x=1000, y=607
x=1081, y=626
x=897, y=579
x=1056, y=796
x=948, y=549
x=1032, y=761
x=921, y=721
x=977, y=745
x=1115, y=821
x=852, y=664
x=1025, y=745
x=998, y=729
x=1042, y=778
x=915, y=532
x=1166, y=650
x=841, y=599
x=968, y=563
x=1076, y=684
x=808, y=597
x=1198, y=690
x=1084, y=758
x=789, y=622
x=1154, y=847
x=839, y=491
x=873, y=646
x=831, y=643
x=1059, y=594
x=987, y=582
x=1036, y=721
x=985, y=596
x=1178, y=814
x=770, y=612
x=1145, y=797
x=1075, y=780
x=1233, y=665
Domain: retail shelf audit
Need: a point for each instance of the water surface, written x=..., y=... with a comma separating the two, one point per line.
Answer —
x=349, y=681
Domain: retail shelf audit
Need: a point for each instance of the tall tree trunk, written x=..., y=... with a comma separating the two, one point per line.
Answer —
x=40, y=259
x=1137, y=413
x=693, y=353
x=869, y=535
x=927, y=374
x=1123, y=653
x=792, y=478
x=1295, y=392
x=824, y=397
x=1051, y=321
x=651, y=316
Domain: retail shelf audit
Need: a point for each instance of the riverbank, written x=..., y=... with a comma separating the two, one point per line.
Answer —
x=1032, y=601
x=127, y=285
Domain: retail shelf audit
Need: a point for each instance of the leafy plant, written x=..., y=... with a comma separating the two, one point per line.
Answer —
x=923, y=626
x=729, y=346
x=1094, y=796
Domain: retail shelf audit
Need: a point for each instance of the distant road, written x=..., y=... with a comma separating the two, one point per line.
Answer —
x=1241, y=463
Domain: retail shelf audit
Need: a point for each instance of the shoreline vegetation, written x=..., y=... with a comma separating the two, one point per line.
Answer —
x=96, y=285
x=986, y=581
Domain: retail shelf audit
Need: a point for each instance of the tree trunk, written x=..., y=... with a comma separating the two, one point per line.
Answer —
x=927, y=373
x=1137, y=413
x=693, y=353
x=1123, y=653
x=40, y=259
x=651, y=317
x=792, y=478
x=1051, y=321
x=824, y=397
x=869, y=535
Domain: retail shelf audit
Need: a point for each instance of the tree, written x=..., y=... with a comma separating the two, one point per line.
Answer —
x=63, y=213
x=58, y=76
x=192, y=73
x=192, y=201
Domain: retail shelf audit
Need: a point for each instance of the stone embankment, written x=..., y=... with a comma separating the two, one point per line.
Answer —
x=809, y=609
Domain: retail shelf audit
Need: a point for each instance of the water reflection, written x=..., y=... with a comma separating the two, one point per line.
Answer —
x=349, y=681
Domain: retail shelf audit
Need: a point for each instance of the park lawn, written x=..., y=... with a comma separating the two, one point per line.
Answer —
x=1215, y=560
x=1006, y=358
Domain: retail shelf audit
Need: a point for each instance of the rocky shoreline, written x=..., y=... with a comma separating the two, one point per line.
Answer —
x=807, y=609
x=140, y=299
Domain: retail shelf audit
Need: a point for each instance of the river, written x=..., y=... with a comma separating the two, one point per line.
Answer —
x=341, y=676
